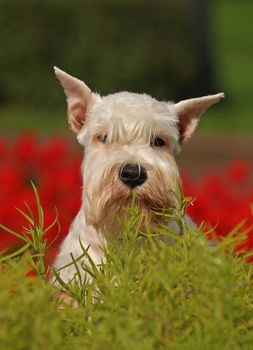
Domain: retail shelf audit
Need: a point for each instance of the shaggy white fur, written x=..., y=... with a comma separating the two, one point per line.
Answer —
x=119, y=130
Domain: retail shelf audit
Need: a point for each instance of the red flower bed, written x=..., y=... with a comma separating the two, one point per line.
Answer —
x=224, y=201
x=54, y=166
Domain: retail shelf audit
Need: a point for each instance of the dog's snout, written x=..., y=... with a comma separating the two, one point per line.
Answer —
x=133, y=175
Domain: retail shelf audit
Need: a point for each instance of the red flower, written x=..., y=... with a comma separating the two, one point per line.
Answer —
x=222, y=201
x=239, y=171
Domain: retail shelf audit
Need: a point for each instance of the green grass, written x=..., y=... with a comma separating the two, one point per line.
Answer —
x=14, y=120
x=150, y=294
x=227, y=119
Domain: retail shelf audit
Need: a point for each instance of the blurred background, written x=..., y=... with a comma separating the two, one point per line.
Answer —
x=171, y=49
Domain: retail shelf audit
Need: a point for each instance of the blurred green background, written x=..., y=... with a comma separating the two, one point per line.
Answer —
x=167, y=48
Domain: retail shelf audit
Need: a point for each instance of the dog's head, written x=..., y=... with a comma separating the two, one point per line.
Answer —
x=130, y=141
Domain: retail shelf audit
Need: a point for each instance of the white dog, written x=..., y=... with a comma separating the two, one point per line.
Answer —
x=129, y=141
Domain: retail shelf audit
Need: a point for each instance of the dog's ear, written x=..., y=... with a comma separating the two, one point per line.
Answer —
x=189, y=112
x=79, y=98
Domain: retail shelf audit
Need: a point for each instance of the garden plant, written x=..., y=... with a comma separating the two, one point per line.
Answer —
x=155, y=290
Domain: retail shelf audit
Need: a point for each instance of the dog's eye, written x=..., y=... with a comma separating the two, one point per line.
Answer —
x=157, y=142
x=102, y=138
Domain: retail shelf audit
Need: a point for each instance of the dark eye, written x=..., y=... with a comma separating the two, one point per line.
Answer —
x=157, y=142
x=102, y=138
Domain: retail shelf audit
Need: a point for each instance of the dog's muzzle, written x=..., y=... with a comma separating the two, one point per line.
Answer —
x=133, y=175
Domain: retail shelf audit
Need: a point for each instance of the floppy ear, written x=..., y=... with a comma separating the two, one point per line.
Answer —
x=189, y=112
x=79, y=98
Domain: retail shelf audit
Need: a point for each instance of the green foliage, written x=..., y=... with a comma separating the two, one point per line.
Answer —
x=148, y=295
x=33, y=237
x=112, y=45
x=232, y=33
x=156, y=290
x=122, y=45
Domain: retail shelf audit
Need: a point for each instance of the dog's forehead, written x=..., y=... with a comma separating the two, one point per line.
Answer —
x=131, y=110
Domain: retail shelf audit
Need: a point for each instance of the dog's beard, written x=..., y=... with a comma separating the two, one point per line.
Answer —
x=107, y=201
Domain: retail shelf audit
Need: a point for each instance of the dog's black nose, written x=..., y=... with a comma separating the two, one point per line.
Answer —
x=133, y=175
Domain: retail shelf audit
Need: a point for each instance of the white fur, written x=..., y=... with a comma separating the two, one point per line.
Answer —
x=130, y=122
